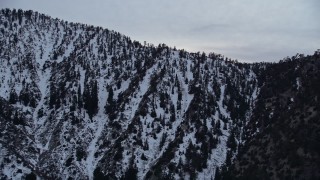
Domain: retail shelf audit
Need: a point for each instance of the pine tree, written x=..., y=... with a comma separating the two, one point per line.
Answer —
x=110, y=106
x=90, y=98
x=110, y=96
x=131, y=173
x=80, y=105
x=217, y=175
x=13, y=97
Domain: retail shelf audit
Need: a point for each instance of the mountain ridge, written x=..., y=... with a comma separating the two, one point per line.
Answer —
x=90, y=103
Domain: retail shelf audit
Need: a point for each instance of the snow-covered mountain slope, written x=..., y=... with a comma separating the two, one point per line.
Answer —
x=92, y=100
x=83, y=102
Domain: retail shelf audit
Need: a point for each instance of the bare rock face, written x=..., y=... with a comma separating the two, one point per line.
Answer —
x=83, y=102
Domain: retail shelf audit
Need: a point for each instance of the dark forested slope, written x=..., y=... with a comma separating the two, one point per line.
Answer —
x=282, y=138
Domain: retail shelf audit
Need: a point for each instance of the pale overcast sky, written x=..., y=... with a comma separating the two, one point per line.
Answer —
x=247, y=30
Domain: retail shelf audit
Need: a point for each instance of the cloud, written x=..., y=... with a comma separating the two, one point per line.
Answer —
x=210, y=28
x=247, y=29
